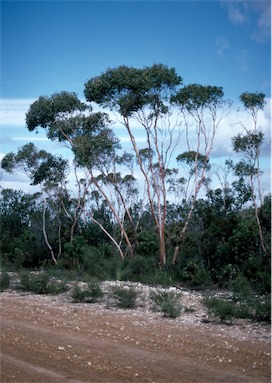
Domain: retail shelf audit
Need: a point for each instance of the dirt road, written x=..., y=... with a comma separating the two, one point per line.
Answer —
x=45, y=339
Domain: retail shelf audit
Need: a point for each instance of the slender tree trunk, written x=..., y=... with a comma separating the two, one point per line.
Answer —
x=121, y=226
x=45, y=235
x=260, y=231
x=175, y=256
x=59, y=236
x=159, y=219
x=162, y=247
x=108, y=234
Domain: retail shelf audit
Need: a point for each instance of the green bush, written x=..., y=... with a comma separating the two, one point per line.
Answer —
x=136, y=269
x=221, y=308
x=4, y=281
x=252, y=308
x=241, y=287
x=35, y=283
x=262, y=308
x=168, y=302
x=125, y=298
x=55, y=287
x=90, y=294
x=41, y=283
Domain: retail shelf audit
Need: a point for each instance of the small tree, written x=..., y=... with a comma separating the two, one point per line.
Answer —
x=203, y=109
x=249, y=145
x=43, y=169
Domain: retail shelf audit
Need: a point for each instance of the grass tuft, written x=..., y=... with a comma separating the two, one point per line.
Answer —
x=168, y=302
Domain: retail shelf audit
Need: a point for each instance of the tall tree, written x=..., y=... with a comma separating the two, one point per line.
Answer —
x=89, y=136
x=143, y=95
x=203, y=109
x=249, y=144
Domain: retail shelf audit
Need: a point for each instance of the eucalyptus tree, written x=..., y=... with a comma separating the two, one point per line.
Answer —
x=203, y=109
x=92, y=141
x=249, y=144
x=43, y=169
x=142, y=96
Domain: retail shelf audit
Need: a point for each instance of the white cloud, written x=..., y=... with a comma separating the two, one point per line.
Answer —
x=243, y=59
x=230, y=127
x=254, y=13
x=236, y=12
x=30, y=139
x=263, y=30
x=13, y=111
x=221, y=45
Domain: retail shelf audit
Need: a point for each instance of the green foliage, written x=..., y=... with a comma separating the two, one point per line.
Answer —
x=248, y=143
x=89, y=294
x=253, y=100
x=46, y=110
x=128, y=89
x=41, y=283
x=195, y=96
x=241, y=287
x=222, y=244
x=147, y=244
x=243, y=304
x=74, y=250
x=191, y=157
x=125, y=298
x=39, y=165
x=95, y=149
x=255, y=308
x=222, y=308
x=168, y=302
x=4, y=281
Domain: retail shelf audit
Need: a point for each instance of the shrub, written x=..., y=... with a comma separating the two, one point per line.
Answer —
x=4, y=281
x=125, y=298
x=241, y=287
x=262, y=309
x=90, y=294
x=253, y=308
x=41, y=283
x=78, y=295
x=221, y=308
x=168, y=302
x=55, y=287
x=35, y=283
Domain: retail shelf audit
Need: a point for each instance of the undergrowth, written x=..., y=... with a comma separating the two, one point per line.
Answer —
x=41, y=283
x=125, y=298
x=168, y=302
x=89, y=294
x=253, y=308
x=4, y=281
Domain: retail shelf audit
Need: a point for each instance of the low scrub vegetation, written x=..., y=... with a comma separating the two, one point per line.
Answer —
x=41, y=283
x=125, y=298
x=244, y=302
x=168, y=303
x=90, y=294
x=4, y=281
x=228, y=309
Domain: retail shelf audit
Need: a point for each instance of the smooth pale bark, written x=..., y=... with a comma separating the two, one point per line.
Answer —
x=45, y=234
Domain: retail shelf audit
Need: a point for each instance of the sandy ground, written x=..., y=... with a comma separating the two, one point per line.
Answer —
x=49, y=339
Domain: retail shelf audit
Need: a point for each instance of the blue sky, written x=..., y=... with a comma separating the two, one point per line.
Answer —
x=50, y=46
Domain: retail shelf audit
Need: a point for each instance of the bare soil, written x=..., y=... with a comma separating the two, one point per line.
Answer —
x=50, y=339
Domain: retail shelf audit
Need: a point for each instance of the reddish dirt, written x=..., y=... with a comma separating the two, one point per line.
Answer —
x=44, y=339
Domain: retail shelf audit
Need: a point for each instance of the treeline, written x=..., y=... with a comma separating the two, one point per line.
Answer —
x=221, y=244
x=139, y=214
